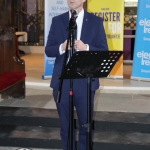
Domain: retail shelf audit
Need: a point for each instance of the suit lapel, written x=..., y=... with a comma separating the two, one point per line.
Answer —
x=84, y=26
x=65, y=20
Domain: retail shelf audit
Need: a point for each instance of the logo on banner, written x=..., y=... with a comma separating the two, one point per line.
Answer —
x=145, y=58
x=146, y=24
x=146, y=28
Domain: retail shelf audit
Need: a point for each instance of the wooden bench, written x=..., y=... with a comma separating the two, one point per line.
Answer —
x=12, y=67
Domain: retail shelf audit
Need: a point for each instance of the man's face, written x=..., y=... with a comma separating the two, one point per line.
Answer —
x=76, y=4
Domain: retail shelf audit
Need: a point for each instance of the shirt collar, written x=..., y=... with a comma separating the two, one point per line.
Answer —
x=81, y=14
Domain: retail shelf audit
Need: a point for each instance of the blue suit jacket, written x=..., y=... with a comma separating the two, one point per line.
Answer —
x=92, y=34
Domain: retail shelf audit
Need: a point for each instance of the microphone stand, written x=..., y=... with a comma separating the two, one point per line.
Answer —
x=71, y=31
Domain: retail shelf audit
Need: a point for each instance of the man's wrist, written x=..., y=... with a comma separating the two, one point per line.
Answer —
x=61, y=51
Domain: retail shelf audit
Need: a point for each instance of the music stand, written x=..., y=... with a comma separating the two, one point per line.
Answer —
x=90, y=64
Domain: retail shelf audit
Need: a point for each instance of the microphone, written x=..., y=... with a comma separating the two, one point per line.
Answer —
x=73, y=13
x=73, y=24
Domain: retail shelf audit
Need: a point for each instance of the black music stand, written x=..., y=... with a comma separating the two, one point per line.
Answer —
x=90, y=64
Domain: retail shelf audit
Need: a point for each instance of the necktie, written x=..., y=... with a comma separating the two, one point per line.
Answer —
x=75, y=34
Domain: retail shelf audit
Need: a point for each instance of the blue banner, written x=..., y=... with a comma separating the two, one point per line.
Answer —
x=141, y=59
x=52, y=8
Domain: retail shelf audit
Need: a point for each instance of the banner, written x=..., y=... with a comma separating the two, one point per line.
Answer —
x=52, y=8
x=141, y=59
x=112, y=12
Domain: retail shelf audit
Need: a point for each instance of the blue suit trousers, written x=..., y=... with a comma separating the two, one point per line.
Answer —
x=80, y=104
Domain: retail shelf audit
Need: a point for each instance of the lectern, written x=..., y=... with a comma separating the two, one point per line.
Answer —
x=90, y=64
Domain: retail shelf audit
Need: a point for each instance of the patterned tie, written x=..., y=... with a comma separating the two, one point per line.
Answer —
x=75, y=34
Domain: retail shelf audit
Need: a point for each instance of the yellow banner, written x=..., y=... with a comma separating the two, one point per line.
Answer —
x=112, y=12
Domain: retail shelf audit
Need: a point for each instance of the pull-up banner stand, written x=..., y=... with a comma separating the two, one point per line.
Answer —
x=141, y=59
x=112, y=12
x=52, y=8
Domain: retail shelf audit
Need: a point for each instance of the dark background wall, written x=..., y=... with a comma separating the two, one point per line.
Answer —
x=6, y=15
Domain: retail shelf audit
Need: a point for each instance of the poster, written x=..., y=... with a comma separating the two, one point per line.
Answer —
x=112, y=12
x=52, y=8
x=141, y=57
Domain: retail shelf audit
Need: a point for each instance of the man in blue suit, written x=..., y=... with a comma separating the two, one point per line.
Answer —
x=90, y=37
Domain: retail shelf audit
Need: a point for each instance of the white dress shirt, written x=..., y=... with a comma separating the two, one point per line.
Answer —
x=79, y=22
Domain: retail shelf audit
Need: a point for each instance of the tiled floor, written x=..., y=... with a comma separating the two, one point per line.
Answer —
x=114, y=94
x=112, y=102
x=35, y=70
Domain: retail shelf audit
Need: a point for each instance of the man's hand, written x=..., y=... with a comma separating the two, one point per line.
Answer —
x=63, y=46
x=79, y=45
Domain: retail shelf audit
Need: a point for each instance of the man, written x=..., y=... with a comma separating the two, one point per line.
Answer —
x=90, y=36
